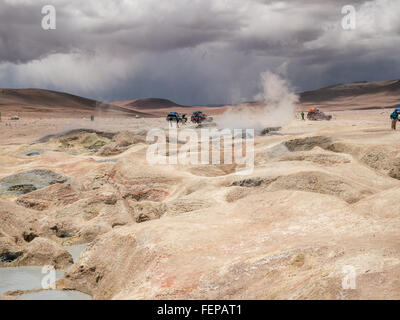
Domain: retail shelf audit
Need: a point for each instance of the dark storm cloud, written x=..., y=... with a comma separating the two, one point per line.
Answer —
x=193, y=51
x=88, y=25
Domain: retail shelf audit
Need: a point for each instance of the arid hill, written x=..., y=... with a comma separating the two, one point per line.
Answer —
x=148, y=103
x=159, y=107
x=34, y=101
x=357, y=95
x=351, y=96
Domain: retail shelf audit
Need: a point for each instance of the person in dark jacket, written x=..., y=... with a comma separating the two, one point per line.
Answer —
x=395, y=117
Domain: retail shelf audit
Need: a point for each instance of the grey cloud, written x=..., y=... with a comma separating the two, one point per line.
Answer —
x=209, y=51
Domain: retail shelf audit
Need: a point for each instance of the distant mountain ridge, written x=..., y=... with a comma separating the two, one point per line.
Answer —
x=350, y=96
x=40, y=100
x=152, y=103
x=355, y=89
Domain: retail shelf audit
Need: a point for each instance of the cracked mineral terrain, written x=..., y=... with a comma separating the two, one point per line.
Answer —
x=322, y=196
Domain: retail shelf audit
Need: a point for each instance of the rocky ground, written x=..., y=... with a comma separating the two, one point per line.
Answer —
x=323, y=195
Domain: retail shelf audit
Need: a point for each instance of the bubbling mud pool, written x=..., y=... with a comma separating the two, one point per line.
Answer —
x=30, y=278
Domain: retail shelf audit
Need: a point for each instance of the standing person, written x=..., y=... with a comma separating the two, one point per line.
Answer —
x=395, y=117
x=184, y=119
x=302, y=115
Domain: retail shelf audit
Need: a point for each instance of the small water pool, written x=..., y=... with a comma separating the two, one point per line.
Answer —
x=30, y=278
x=76, y=250
x=23, y=278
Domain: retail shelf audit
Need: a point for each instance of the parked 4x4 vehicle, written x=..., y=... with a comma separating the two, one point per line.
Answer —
x=199, y=117
x=316, y=114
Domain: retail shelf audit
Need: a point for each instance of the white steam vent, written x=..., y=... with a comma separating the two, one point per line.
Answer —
x=276, y=108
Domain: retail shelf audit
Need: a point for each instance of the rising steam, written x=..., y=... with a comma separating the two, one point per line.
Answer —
x=276, y=108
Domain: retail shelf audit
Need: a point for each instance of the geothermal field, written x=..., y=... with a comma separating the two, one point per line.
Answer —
x=81, y=196
x=199, y=158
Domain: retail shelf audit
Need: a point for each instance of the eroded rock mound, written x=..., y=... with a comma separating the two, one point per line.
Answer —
x=146, y=210
x=141, y=181
x=120, y=143
x=52, y=196
x=71, y=221
x=293, y=243
x=20, y=241
x=85, y=219
x=318, y=156
x=186, y=204
x=383, y=158
x=74, y=135
x=79, y=141
x=28, y=181
x=319, y=182
x=214, y=170
x=380, y=205
x=17, y=221
x=41, y=251
x=308, y=143
x=89, y=142
x=270, y=130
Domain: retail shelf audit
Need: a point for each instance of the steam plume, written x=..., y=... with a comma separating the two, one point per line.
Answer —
x=277, y=107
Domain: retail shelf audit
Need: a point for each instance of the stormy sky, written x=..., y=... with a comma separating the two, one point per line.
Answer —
x=194, y=51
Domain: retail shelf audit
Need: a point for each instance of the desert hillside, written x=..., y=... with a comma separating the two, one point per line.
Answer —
x=148, y=103
x=27, y=102
x=159, y=107
x=35, y=102
x=357, y=95
x=349, y=96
